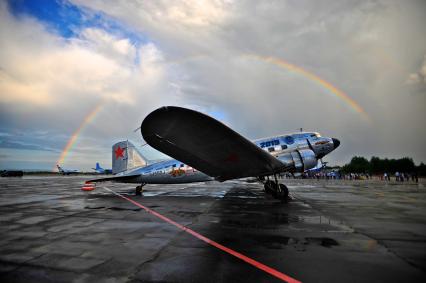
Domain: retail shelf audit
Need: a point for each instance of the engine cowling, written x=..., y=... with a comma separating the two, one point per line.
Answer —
x=299, y=160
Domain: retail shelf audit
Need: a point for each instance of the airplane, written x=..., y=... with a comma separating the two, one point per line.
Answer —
x=101, y=170
x=205, y=149
x=67, y=171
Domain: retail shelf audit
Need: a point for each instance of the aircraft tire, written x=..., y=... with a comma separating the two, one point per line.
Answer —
x=268, y=187
x=284, y=191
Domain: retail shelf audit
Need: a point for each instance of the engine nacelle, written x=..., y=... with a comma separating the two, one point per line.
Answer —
x=299, y=160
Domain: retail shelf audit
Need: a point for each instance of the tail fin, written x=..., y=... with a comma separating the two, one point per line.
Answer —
x=125, y=156
x=98, y=167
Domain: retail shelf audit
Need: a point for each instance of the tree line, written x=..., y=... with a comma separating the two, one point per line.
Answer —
x=376, y=165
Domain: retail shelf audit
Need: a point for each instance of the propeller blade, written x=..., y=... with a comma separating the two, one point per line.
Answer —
x=310, y=145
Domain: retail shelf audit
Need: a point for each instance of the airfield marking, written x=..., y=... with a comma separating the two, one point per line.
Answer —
x=247, y=259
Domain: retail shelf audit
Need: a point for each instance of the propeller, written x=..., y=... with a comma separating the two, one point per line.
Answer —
x=319, y=156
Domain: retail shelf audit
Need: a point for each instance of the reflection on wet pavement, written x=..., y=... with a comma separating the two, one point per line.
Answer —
x=331, y=231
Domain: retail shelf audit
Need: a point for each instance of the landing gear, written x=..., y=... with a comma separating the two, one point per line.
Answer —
x=277, y=190
x=284, y=192
x=269, y=187
x=139, y=190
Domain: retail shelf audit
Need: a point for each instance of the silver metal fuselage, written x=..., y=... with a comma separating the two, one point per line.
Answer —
x=283, y=147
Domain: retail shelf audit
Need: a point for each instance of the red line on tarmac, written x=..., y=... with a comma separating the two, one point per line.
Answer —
x=251, y=261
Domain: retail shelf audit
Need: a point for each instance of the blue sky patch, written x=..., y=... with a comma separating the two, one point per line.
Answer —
x=67, y=19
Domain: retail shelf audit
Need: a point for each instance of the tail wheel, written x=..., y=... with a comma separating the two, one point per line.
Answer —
x=138, y=190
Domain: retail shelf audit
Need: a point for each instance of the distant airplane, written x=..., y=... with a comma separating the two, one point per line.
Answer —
x=205, y=149
x=101, y=170
x=64, y=171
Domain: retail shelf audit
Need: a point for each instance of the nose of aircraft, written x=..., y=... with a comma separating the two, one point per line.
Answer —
x=336, y=143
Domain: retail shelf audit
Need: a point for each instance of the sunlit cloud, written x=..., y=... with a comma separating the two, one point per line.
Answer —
x=133, y=57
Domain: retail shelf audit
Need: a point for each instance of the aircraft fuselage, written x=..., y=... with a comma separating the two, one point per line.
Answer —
x=298, y=151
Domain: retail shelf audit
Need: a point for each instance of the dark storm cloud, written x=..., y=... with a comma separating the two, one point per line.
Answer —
x=365, y=48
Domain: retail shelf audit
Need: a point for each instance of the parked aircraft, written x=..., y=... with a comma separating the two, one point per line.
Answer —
x=205, y=149
x=64, y=171
x=101, y=170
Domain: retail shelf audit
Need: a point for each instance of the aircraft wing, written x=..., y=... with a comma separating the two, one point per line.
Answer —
x=123, y=178
x=206, y=144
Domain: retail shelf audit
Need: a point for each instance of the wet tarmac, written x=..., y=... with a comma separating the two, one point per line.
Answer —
x=331, y=231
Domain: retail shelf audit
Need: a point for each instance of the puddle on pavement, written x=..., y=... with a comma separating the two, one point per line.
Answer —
x=319, y=220
x=279, y=242
x=112, y=208
x=322, y=220
x=325, y=242
x=275, y=220
x=274, y=241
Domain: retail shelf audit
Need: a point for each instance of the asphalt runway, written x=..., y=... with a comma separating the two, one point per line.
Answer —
x=331, y=231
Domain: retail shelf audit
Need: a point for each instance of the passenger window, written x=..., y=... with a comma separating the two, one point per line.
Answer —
x=289, y=139
x=271, y=149
x=284, y=147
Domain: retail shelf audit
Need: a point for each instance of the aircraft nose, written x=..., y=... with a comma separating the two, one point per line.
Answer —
x=336, y=143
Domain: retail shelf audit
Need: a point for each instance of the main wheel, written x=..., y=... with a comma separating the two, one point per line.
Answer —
x=268, y=187
x=284, y=192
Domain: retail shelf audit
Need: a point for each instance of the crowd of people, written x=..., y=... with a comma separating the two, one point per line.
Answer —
x=401, y=177
x=338, y=175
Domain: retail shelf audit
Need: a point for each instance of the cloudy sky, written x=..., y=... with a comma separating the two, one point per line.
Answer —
x=355, y=70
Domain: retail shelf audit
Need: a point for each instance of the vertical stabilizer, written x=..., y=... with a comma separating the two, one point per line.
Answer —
x=125, y=156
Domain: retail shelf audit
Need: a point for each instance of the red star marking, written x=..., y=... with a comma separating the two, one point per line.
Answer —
x=118, y=152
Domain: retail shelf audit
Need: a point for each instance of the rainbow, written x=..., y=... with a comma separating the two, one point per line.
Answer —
x=333, y=89
x=89, y=117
